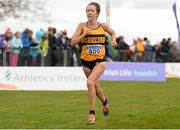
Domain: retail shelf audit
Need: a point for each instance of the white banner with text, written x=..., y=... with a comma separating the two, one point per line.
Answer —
x=42, y=78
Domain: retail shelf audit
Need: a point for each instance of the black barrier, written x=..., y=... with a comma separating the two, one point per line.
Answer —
x=34, y=57
x=71, y=57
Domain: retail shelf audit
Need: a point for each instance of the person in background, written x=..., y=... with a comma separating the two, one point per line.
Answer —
x=15, y=49
x=26, y=42
x=7, y=44
x=174, y=52
x=64, y=42
x=4, y=38
x=34, y=52
x=139, y=50
x=110, y=50
x=53, y=45
x=122, y=45
x=123, y=52
x=148, y=50
x=44, y=47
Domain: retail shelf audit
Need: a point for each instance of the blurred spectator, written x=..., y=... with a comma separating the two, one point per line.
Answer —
x=55, y=49
x=139, y=50
x=61, y=47
x=122, y=45
x=165, y=45
x=26, y=42
x=157, y=50
x=148, y=53
x=67, y=52
x=7, y=43
x=109, y=50
x=34, y=53
x=15, y=50
x=53, y=45
x=147, y=45
x=123, y=52
x=44, y=45
x=174, y=53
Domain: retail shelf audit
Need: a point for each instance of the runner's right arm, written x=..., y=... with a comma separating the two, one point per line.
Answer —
x=79, y=35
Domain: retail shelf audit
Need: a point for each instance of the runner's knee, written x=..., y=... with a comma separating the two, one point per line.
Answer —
x=90, y=83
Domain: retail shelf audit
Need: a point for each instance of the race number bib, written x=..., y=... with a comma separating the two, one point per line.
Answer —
x=94, y=49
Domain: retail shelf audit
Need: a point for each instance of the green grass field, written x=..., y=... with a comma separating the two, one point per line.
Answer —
x=133, y=105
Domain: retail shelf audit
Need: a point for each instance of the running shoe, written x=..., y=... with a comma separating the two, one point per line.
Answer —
x=91, y=119
x=106, y=108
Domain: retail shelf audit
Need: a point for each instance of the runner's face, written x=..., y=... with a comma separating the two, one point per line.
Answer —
x=91, y=13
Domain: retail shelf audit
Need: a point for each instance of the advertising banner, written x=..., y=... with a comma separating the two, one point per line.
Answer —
x=73, y=78
x=42, y=78
x=173, y=70
x=134, y=72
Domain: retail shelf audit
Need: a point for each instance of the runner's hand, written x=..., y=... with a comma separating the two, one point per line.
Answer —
x=87, y=31
x=114, y=43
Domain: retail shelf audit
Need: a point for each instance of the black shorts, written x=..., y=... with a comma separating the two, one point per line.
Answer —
x=91, y=64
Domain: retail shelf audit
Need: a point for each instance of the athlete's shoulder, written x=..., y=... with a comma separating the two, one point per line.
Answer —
x=82, y=24
x=104, y=25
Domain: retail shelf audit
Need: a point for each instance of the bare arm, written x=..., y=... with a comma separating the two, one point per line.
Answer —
x=79, y=35
x=111, y=32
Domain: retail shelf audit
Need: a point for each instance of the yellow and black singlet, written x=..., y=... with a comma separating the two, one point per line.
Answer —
x=93, y=45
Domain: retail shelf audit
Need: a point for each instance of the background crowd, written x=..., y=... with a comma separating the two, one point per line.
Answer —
x=52, y=48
